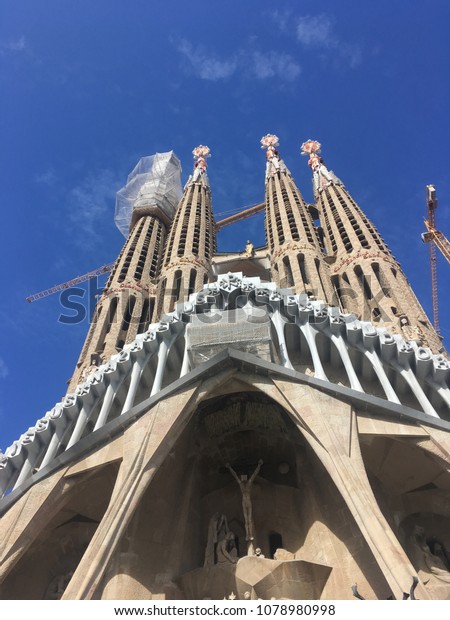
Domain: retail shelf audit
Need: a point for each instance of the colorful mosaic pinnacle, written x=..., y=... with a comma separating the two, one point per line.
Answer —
x=310, y=146
x=269, y=140
x=201, y=152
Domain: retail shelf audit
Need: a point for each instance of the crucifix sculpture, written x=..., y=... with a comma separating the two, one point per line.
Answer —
x=245, y=484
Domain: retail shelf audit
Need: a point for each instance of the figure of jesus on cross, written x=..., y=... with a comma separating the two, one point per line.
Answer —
x=246, y=487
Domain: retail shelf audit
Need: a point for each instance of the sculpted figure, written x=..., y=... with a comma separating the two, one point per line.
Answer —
x=217, y=530
x=425, y=560
x=249, y=250
x=246, y=486
x=226, y=550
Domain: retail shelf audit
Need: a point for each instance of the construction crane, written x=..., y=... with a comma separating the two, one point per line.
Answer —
x=237, y=217
x=227, y=221
x=60, y=287
x=435, y=239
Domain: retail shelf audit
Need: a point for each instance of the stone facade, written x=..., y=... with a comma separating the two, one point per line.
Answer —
x=293, y=243
x=367, y=279
x=271, y=439
x=144, y=210
x=346, y=493
x=128, y=300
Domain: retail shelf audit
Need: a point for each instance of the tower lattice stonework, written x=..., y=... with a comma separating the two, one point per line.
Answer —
x=366, y=277
x=192, y=241
x=127, y=304
x=278, y=431
x=293, y=243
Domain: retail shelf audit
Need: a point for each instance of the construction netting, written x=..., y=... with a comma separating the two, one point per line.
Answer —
x=155, y=180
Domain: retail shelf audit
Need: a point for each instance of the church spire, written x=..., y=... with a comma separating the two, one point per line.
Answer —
x=144, y=210
x=322, y=177
x=294, y=246
x=367, y=279
x=191, y=242
x=201, y=154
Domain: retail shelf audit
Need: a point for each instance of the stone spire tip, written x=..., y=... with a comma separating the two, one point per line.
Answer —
x=270, y=140
x=200, y=153
x=322, y=177
x=274, y=164
x=310, y=147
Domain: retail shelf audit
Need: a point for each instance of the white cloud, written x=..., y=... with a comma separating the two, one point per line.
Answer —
x=255, y=64
x=4, y=372
x=206, y=66
x=317, y=32
x=274, y=64
x=48, y=177
x=13, y=45
x=281, y=18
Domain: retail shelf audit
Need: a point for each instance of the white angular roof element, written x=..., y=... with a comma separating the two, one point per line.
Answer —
x=155, y=180
x=401, y=379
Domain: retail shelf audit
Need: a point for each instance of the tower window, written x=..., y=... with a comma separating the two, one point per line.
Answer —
x=302, y=267
x=288, y=272
x=136, y=234
x=364, y=281
x=322, y=293
x=380, y=277
x=145, y=317
x=176, y=288
x=109, y=319
x=126, y=322
x=192, y=278
x=162, y=294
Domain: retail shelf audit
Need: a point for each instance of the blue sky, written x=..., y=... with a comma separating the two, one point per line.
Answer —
x=90, y=87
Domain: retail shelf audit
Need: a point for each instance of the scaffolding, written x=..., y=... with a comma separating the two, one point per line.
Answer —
x=155, y=180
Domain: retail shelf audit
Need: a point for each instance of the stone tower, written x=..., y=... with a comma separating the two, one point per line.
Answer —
x=277, y=436
x=294, y=247
x=145, y=208
x=366, y=277
x=191, y=242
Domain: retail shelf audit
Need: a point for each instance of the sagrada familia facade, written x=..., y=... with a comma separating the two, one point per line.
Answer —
x=272, y=423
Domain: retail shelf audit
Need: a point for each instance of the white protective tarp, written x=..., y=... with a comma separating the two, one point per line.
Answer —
x=155, y=180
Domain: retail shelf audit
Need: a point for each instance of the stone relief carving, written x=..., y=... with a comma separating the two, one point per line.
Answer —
x=217, y=531
x=226, y=550
x=430, y=565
